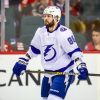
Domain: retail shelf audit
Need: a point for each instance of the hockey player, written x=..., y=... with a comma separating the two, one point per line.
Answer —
x=59, y=52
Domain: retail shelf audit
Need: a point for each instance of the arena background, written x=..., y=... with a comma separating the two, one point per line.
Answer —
x=19, y=23
x=79, y=15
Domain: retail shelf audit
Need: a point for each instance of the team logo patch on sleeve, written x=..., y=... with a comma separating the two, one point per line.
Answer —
x=62, y=29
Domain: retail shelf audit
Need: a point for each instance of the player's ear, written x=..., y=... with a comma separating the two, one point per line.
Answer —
x=57, y=18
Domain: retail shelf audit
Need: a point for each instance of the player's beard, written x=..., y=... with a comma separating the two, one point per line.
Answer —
x=48, y=25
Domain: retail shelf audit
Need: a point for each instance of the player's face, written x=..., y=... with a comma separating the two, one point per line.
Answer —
x=96, y=37
x=48, y=20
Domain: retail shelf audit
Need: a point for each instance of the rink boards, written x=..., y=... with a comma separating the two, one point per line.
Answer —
x=28, y=86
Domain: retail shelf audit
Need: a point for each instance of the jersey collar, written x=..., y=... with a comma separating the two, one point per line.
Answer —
x=54, y=30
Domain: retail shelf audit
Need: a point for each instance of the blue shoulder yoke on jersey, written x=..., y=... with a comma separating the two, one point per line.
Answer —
x=35, y=50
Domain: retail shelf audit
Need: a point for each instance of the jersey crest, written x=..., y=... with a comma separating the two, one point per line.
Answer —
x=62, y=29
x=49, y=52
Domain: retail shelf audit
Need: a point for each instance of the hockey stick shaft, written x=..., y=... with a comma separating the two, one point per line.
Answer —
x=59, y=73
x=92, y=74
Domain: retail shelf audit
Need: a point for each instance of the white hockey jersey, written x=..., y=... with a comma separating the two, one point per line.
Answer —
x=58, y=49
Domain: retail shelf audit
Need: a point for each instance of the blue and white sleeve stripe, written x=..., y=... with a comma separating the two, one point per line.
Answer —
x=74, y=51
x=33, y=51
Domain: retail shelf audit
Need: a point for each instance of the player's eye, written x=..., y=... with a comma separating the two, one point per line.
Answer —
x=46, y=15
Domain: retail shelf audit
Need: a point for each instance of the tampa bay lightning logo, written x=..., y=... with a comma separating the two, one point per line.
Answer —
x=49, y=52
x=62, y=29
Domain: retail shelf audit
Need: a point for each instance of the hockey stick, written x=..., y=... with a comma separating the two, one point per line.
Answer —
x=59, y=73
x=92, y=74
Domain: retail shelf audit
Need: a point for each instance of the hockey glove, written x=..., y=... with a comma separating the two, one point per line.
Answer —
x=82, y=71
x=20, y=66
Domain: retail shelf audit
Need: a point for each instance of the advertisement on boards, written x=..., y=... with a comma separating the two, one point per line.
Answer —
x=28, y=85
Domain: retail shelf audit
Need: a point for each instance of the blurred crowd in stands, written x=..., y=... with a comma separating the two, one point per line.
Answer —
x=84, y=22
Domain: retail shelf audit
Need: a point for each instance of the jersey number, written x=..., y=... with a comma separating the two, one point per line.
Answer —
x=71, y=39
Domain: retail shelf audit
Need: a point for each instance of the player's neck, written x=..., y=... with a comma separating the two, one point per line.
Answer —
x=51, y=29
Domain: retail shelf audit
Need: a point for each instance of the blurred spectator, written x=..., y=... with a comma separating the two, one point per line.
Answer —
x=95, y=23
x=60, y=4
x=16, y=7
x=50, y=3
x=88, y=30
x=95, y=43
x=7, y=46
x=80, y=26
x=27, y=6
x=76, y=7
x=6, y=4
x=28, y=2
x=90, y=25
x=79, y=30
x=39, y=6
